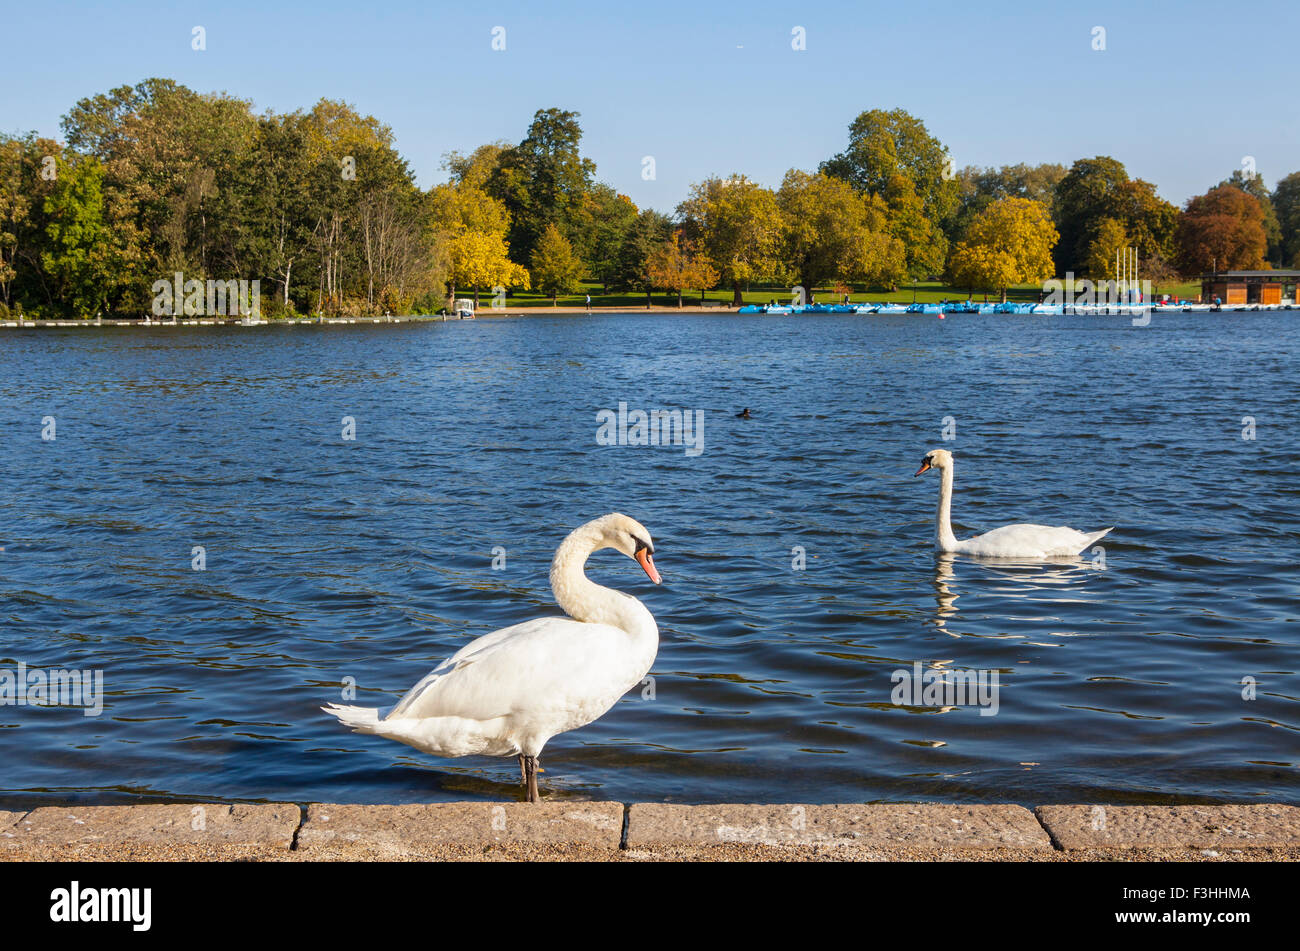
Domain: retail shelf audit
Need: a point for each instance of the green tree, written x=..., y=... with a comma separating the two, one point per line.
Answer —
x=646, y=233
x=1098, y=189
x=980, y=187
x=1286, y=201
x=275, y=212
x=25, y=166
x=892, y=155
x=885, y=144
x=542, y=180
x=84, y=257
x=602, y=223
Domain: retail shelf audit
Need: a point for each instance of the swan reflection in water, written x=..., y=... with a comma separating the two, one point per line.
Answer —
x=1011, y=578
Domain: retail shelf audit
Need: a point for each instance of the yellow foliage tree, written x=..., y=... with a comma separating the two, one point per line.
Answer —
x=1009, y=243
x=481, y=261
x=738, y=223
x=675, y=266
x=557, y=269
x=471, y=225
x=835, y=233
x=1109, y=239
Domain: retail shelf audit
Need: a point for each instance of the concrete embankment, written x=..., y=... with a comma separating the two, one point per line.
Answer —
x=611, y=831
x=487, y=312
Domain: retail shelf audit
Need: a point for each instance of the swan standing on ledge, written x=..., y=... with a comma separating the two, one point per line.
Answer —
x=508, y=692
x=1010, y=541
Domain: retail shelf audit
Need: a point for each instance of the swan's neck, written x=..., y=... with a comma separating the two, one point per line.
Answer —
x=584, y=600
x=944, y=539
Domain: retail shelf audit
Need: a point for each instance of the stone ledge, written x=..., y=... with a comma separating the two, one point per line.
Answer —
x=592, y=831
x=863, y=827
x=423, y=829
x=7, y=822
x=54, y=832
x=1189, y=827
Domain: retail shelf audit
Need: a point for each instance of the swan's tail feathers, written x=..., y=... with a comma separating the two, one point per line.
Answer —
x=1097, y=536
x=360, y=719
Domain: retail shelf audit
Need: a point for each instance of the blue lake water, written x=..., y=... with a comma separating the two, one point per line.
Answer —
x=1121, y=676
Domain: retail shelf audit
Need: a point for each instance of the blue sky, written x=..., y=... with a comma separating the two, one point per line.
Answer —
x=1181, y=94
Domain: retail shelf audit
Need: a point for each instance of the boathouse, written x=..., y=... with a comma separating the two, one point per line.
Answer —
x=1250, y=287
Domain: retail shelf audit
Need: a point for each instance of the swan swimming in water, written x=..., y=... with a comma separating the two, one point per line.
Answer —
x=508, y=692
x=1010, y=541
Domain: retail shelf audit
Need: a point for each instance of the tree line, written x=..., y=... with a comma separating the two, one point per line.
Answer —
x=319, y=207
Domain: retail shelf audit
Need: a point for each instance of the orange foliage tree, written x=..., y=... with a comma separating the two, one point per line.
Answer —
x=1221, y=230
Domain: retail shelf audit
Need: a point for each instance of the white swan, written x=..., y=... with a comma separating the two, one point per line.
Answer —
x=1010, y=541
x=508, y=692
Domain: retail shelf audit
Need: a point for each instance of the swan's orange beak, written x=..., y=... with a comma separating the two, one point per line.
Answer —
x=645, y=561
x=925, y=467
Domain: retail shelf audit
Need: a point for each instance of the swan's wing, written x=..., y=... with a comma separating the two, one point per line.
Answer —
x=1031, y=540
x=541, y=661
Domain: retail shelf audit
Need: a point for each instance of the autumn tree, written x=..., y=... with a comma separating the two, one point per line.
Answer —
x=481, y=261
x=1108, y=242
x=884, y=144
x=476, y=168
x=892, y=156
x=1252, y=183
x=556, y=269
x=1009, y=243
x=1222, y=230
x=472, y=226
x=28, y=166
x=675, y=266
x=1098, y=189
x=738, y=225
x=832, y=232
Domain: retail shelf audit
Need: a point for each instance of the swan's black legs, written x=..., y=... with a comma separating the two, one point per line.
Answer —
x=530, y=776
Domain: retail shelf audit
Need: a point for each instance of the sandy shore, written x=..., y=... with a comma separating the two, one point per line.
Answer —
x=650, y=832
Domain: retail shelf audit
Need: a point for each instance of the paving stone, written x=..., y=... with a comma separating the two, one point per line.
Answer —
x=1197, y=827
x=54, y=830
x=421, y=829
x=917, y=826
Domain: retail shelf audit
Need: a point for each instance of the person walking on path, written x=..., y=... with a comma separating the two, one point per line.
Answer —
x=589, y=303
